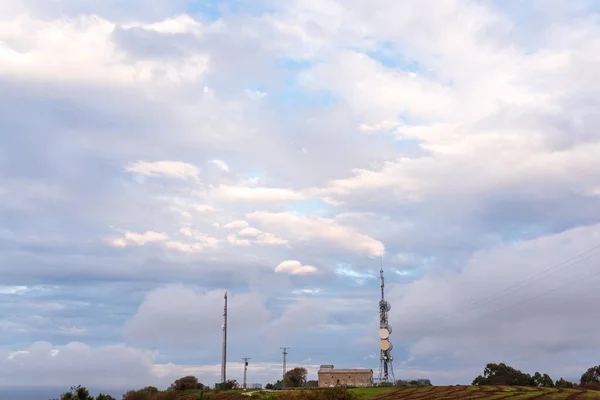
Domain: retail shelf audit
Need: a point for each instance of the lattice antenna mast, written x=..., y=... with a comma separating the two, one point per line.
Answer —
x=386, y=369
x=245, y=370
x=224, y=355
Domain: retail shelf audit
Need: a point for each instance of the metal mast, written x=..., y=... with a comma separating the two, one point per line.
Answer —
x=386, y=369
x=245, y=369
x=285, y=349
x=224, y=355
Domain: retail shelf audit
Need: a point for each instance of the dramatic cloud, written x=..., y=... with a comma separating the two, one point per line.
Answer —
x=301, y=230
x=110, y=367
x=180, y=316
x=72, y=38
x=155, y=154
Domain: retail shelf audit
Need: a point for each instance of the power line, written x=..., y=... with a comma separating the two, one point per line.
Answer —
x=543, y=272
x=536, y=296
x=516, y=285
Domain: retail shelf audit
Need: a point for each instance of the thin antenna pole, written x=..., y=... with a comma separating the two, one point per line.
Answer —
x=285, y=349
x=381, y=278
x=245, y=369
x=224, y=355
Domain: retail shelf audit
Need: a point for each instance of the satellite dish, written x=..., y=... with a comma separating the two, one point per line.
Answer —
x=389, y=328
x=388, y=307
x=385, y=345
x=384, y=333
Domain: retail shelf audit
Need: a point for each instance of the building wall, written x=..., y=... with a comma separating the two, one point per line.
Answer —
x=345, y=378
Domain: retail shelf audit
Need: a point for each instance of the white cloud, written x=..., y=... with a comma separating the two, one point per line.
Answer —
x=461, y=164
x=146, y=237
x=270, y=239
x=255, y=194
x=138, y=239
x=237, y=224
x=171, y=169
x=222, y=165
x=249, y=231
x=233, y=239
x=295, y=268
x=28, y=48
x=300, y=229
x=205, y=208
x=178, y=315
x=382, y=126
x=109, y=367
x=194, y=247
x=181, y=24
x=13, y=289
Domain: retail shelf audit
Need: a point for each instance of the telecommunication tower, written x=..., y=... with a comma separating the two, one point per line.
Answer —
x=224, y=355
x=386, y=369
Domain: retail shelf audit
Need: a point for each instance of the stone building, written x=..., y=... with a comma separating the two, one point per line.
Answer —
x=329, y=376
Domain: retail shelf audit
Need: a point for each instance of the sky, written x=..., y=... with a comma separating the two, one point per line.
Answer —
x=156, y=153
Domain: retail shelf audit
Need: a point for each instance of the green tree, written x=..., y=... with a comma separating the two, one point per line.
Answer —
x=542, y=380
x=77, y=393
x=591, y=378
x=564, y=384
x=103, y=396
x=312, y=383
x=295, y=377
x=274, y=386
x=186, y=383
x=502, y=374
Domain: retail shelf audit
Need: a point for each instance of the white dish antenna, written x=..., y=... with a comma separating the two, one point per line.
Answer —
x=384, y=333
x=385, y=345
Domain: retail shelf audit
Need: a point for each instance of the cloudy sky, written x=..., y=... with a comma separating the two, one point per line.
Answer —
x=156, y=153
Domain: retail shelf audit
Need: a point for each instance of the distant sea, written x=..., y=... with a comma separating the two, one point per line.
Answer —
x=48, y=393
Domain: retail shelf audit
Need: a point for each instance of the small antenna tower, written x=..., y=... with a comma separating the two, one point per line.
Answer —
x=224, y=355
x=285, y=349
x=386, y=369
x=245, y=370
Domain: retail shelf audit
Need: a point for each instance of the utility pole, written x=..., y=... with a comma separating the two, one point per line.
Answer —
x=224, y=355
x=245, y=369
x=285, y=349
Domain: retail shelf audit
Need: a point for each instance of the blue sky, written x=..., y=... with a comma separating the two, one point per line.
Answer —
x=155, y=154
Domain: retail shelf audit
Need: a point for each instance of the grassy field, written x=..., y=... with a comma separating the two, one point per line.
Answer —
x=437, y=393
x=475, y=393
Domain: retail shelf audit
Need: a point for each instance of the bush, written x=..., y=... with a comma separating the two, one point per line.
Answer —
x=228, y=396
x=229, y=385
x=319, y=394
x=150, y=393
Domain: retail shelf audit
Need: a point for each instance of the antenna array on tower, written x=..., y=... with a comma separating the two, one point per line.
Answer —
x=386, y=369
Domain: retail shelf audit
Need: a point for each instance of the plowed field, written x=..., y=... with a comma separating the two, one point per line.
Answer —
x=483, y=393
